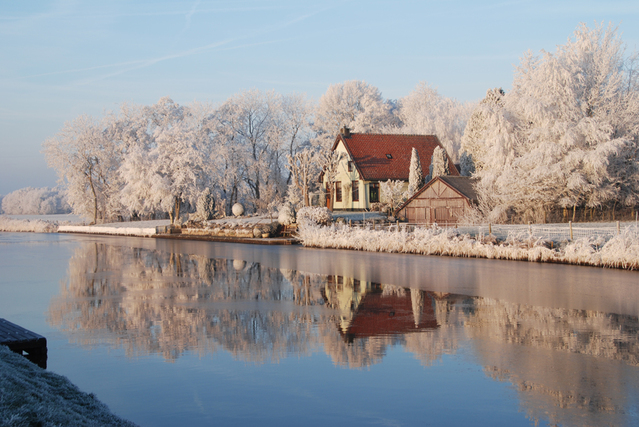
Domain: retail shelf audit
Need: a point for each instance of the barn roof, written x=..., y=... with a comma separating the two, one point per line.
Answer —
x=463, y=184
x=380, y=157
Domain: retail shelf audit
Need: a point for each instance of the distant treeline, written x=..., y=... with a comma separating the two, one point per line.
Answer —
x=35, y=201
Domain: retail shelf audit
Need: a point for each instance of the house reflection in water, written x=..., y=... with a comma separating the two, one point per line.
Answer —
x=372, y=309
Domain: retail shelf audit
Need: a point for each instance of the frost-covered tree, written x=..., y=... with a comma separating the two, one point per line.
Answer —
x=329, y=162
x=304, y=170
x=392, y=194
x=424, y=111
x=354, y=104
x=439, y=163
x=169, y=166
x=296, y=115
x=87, y=162
x=415, y=174
x=251, y=122
x=473, y=141
x=567, y=134
x=467, y=165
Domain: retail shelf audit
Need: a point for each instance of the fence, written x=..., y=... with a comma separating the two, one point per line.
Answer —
x=555, y=232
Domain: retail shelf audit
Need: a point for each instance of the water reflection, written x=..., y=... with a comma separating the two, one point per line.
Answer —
x=564, y=363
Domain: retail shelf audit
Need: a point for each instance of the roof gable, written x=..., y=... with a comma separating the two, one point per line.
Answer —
x=463, y=185
x=380, y=157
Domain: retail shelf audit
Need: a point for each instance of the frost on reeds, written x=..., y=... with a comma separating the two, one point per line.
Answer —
x=29, y=225
x=621, y=251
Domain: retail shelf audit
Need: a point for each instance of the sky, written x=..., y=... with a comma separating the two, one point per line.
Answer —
x=62, y=59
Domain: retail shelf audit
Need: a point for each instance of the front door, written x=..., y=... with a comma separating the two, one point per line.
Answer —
x=373, y=192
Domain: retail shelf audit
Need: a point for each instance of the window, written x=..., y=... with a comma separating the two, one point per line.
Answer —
x=374, y=192
x=338, y=191
x=355, y=191
x=350, y=166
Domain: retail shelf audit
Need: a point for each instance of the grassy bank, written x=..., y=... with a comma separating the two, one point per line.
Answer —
x=621, y=251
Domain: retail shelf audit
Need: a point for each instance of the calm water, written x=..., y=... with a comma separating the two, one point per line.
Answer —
x=196, y=333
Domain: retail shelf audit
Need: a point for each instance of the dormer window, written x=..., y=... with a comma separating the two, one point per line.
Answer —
x=389, y=156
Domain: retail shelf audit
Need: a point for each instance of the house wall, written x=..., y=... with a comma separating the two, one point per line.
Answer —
x=346, y=178
x=438, y=203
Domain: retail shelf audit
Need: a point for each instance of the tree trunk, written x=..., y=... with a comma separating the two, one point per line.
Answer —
x=95, y=201
x=177, y=208
x=307, y=202
x=574, y=212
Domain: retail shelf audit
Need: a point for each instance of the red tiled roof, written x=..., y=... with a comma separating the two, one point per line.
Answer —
x=382, y=315
x=369, y=153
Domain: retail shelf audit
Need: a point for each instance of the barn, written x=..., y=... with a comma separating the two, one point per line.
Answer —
x=441, y=201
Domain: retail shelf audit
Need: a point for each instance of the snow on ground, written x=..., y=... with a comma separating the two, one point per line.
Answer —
x=133, y=228
x=31, y=396
x=620, y=251
x=59, y=218
x=244, y=220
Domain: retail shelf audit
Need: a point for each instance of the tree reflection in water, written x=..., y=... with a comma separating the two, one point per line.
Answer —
x=562, y=362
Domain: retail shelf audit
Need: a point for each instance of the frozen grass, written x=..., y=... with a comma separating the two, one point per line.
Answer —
x=621, y=251
x=31, y=396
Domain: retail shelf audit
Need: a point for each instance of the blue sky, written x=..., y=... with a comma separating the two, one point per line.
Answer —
x=60, y=59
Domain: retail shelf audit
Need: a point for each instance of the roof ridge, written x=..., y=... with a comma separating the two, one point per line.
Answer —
x=393, y=134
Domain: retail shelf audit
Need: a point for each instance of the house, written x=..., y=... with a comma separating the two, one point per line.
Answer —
x=370, y=159
x=442, y=200
x=366, y=311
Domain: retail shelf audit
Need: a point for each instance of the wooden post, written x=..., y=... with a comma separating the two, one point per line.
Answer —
x=570, y=225
x=490, y=229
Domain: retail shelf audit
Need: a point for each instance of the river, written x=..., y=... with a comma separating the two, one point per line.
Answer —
x=170, y=332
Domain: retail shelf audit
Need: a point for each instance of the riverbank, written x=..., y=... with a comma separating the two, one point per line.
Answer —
x=31, y=396
x=621, y=251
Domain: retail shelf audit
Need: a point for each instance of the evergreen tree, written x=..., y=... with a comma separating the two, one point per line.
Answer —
x=416, y=175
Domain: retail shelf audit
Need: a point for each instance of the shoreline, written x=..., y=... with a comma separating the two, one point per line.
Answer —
x=619, y=252
x=34, y=396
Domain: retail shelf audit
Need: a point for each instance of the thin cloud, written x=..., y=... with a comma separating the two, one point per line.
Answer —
x=190, y=14
x=153, y=61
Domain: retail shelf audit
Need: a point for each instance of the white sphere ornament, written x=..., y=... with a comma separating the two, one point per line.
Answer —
x=237, y=209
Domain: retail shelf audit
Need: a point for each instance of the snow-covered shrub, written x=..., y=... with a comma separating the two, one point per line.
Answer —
x=379, y=207
x=269, y=229
x=314, y=215
x=205, y=206
x=287, y=214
